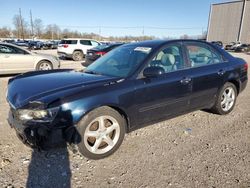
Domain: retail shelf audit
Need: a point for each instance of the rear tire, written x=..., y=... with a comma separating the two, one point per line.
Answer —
x=102, y=131
x=226, y=99
x=77, y=56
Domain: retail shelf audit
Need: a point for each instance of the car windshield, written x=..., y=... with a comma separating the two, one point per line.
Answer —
x=119, y=62
x=100, y=47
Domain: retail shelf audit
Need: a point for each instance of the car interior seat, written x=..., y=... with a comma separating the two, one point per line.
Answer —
x=168, y=62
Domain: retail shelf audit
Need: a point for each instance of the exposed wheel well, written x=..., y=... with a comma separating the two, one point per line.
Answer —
x=123, y=115
x=237, y=85
x=76, y=50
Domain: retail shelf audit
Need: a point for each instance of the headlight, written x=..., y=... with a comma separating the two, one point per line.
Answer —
x=47, y=115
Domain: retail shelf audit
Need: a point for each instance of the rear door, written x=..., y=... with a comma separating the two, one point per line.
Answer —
x=207, y=72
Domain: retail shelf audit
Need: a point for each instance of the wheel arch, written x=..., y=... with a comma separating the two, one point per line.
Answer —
x=236, y=84
x=40, y=60
x=79, y=50
x=117, y=108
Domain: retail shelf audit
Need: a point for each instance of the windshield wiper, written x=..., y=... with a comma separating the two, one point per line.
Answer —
x=92, y=72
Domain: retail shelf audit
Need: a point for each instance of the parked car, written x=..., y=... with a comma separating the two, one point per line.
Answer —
x=75, y=48
x=243, y=48
x=14, y=59
x=229, y=46
x=96, y=52
x=132, y=86
x=12, y=41
x=52, y=44
x=218, y=43
x=35, y=45
x=22, y=43
x=235, y=45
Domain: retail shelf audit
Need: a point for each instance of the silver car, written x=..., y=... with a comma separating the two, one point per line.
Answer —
x=14, y=59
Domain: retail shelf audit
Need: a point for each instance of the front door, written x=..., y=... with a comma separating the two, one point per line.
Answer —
x=168, y=94
x=15, y=59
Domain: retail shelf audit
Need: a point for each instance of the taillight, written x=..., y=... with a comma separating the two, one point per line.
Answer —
x=100, y=53
x=246, y=67
x=65, y=45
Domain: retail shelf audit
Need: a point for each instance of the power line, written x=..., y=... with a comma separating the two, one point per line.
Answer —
x=132, y=27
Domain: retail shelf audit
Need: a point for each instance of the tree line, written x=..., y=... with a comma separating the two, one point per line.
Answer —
x=36, y=29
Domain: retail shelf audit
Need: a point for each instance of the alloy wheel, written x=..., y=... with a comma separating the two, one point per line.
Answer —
x=45, y=66
x=102, y=134
x=227, y=99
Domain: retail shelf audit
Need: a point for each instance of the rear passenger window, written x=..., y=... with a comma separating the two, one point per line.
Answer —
x=170, y=59
x=68, y=42
x=85, y=42
x=200, y=55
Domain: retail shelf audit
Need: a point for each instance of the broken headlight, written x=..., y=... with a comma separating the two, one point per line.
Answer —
x=46, y=115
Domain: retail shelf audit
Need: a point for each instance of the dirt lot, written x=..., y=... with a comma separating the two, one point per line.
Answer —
x=194, y=150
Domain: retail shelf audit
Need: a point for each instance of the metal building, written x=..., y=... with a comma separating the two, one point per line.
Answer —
x=229, y=22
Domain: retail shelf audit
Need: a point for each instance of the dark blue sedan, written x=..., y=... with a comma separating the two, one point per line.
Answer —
x=133, y=86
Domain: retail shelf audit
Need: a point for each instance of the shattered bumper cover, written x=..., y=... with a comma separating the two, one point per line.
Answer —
x=36, y=135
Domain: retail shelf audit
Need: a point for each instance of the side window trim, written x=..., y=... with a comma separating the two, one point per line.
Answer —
x=202, y=45
x=156, y=52
x=181, y=51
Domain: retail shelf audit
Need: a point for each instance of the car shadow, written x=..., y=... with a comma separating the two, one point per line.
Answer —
x=49, y=169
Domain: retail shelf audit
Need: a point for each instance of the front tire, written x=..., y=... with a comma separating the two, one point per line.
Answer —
x=44, y=65
x=102, y=131
x=226, y=99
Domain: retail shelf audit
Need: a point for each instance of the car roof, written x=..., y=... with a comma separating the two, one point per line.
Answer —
x=78, y=39
x=10, y=44
x=157, y=43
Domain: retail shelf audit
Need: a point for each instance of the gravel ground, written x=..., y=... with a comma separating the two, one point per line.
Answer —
x=199, y=149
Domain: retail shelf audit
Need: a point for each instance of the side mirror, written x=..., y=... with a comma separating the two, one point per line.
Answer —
x=153, y=71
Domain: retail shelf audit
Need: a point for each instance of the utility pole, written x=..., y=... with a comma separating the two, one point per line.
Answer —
x=21, y=22
x=241, y=20
x=32, y=26
x=52, y=32
x=143, y=28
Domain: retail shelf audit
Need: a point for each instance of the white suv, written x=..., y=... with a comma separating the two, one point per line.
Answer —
x=75, y=48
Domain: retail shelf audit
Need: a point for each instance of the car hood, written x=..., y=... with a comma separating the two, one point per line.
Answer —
x=35, y=85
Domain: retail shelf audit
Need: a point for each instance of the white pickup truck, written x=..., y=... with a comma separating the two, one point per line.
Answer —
x=75, y=48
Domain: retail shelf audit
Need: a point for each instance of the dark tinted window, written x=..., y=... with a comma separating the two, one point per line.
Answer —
x=85, y=42
x=68, y=42
x=201, y=55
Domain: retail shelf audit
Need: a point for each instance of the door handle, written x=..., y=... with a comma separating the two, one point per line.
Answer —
x=186, y=80
x=221, y=72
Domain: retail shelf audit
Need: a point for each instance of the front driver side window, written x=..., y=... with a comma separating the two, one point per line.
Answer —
x=170, y=59
x=6, y=49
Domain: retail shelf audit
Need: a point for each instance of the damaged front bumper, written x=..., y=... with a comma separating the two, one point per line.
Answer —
x=37, y=135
